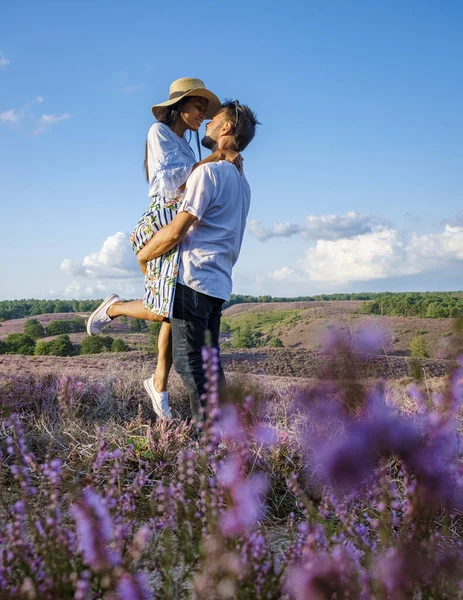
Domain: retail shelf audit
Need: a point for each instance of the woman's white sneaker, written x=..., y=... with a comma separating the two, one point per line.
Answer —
x=99, y=317
x=159, y=400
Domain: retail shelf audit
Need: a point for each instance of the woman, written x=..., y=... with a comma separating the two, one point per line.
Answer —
x=169, y=161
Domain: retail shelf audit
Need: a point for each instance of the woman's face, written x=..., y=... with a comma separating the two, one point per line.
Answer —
x=192, y=112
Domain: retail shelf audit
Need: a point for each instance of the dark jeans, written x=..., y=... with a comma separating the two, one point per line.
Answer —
x=194, y=313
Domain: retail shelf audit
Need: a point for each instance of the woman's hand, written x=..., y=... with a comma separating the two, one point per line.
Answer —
x=231, y=156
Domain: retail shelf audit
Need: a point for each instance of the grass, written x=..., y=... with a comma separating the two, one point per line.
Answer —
x=264, y=321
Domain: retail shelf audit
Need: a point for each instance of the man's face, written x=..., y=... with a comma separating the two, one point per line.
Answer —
x=214, y=129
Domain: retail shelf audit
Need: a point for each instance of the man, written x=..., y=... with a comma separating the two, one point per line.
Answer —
x=210, y=226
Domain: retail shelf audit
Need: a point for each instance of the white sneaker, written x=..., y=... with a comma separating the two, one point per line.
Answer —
x=159, y=400
x=99, y=318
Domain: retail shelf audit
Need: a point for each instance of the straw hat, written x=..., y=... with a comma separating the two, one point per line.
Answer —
x=188, y=86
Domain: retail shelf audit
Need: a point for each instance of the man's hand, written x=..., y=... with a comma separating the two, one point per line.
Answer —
x=166, y=238
x=142, y=264
x=233, y=157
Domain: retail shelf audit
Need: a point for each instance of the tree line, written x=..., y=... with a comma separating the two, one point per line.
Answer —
x=431, y=305
x=421, y=304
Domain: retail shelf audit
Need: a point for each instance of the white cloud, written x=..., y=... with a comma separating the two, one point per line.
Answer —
x=336, y=227
x=10, y=116
x=369, y=256
x=4, y=62
x=324, y=227
x=380, y=254
x=257, y=229
x=78, y=289
x=130, y=89
x=47, y=120
x=115, y=259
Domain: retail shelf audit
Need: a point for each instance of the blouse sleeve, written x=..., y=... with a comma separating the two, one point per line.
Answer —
x=168, y=166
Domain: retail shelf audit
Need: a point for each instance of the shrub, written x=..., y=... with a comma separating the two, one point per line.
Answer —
x=276, y=343
x=66, y=326
x=96, y=344
x=243, y=338
x=154, y=328
x=137, y=325
x=61, y=346
x=42, y=348
x=225, y=327
x=19, y=343
x=119, y=346
x=418, y=347
x=34, y=329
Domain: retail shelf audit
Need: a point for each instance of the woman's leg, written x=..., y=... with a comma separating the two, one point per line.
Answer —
x=134, y=308
x=164, y=363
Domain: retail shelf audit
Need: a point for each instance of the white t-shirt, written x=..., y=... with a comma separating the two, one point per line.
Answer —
x=170, y=161
x=219, y=197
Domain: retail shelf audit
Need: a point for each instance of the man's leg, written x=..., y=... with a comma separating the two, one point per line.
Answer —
x=214, y=327
x=189, y=324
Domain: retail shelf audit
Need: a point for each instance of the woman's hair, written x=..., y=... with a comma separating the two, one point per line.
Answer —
x=168, y=116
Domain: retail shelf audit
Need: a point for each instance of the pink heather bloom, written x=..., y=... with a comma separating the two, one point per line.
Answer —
x=95, y=531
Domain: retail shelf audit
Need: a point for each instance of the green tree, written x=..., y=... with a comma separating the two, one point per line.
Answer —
x=154, y=328
x=137, y=325
x=92, y=345
x=65, y=326
x=119, y=346
x=34, y=328
x=42, y=348
x=96, y=344
x=243, y=338
x=225, y=327
x=19, y=343
x=123, y=320
x=61, y=346
x=418, y=347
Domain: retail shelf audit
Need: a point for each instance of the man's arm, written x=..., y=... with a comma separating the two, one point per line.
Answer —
x=166, y=238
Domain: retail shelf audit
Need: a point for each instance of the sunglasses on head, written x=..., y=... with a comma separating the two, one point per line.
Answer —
x=236, y=103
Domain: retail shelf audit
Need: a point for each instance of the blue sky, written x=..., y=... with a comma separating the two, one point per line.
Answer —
x=356, y=172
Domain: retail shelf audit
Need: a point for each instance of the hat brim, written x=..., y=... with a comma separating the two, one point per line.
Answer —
x=213, y=105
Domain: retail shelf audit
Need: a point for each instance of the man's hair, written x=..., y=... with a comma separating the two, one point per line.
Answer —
x=244, y=128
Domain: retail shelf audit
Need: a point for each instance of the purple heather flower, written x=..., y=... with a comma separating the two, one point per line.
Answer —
x=247, y=505
x=95, y=531
x=267, y=436
x=368, y=340
x=229, y=424
x=133, y=587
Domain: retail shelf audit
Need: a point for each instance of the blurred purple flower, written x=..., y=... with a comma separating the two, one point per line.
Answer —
x=267, y=436
x=133, y=587
x=95, y=531
x=247, y=505
x=229, y=425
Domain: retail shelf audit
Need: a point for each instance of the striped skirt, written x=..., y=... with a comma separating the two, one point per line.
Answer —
x=162, y=272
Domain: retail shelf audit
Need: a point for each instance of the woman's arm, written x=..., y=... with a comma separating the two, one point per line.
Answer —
x=229, y=155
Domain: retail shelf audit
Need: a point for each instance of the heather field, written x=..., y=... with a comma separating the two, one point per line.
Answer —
x=325, y=483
